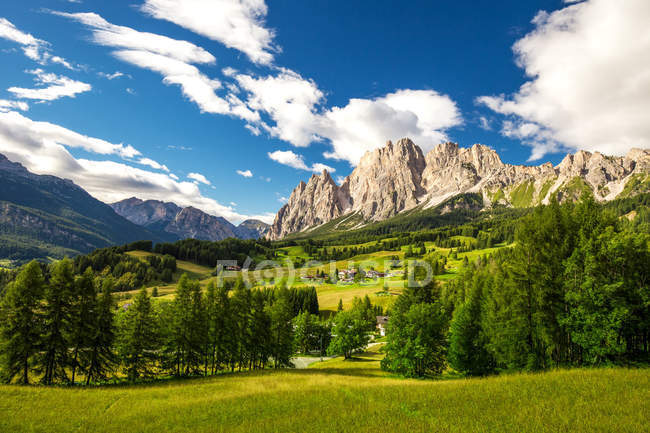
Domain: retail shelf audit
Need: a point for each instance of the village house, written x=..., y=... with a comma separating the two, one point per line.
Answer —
x=382, y=321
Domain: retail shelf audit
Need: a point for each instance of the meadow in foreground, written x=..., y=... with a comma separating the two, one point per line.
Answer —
x=337, y=395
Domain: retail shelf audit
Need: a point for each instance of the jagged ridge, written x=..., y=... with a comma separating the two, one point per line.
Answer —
x=399, y=177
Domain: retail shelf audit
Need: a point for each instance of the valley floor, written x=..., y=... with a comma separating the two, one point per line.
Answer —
x=341, y=396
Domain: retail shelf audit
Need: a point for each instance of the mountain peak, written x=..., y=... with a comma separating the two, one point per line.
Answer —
x=398, y=177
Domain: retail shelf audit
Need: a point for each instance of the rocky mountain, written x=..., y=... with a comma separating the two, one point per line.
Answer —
x=186, y=222
x=399, y=177
x=46, y=216
x=252, y=229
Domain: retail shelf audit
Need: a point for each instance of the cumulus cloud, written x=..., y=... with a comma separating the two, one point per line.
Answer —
x=288, y=99
x=54, y=87
x=198, y=177
x=173, y=59
x=35, y=49
x=589, y=86
x=237, y=24
x=245, y=173
x=292, y=159
x=365, y=124
x=294, y=106
x=43, y=148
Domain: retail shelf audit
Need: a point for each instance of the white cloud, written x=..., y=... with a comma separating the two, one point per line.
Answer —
x=484, y=123
x=245, y=173
x=42, y=148
x=40, y=134
x=292, y=103
x=153, y=164
x=589, y=80
x=283, y=199
x=288, y=99
x=237, y=24
x=111, y=35
x=291, y=159
x=198, y=177
x=6, y=105
x=173, y=176
x=56, y=87
x=114, y=75
x=35, y=49
x=173, y=59
x=366, y=124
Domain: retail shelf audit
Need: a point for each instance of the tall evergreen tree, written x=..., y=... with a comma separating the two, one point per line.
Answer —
x=19, y=330
x=281, y=330
x=468, y=351
x=138, y=339
x=100, y=358
x=83, y=315
x=56, y=319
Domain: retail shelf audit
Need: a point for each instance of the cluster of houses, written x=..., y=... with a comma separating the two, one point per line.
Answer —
x=347, y=275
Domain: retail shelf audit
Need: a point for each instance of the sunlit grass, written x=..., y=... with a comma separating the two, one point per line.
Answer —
x=341, y=396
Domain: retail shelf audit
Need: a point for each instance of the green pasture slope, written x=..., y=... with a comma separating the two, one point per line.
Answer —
x=341, y=396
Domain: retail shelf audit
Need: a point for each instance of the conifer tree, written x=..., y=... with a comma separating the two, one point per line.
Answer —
x=100, y=358
x=19, y=330
x=83, y=314
x=138, y=339
x=281, y=331
x=56, y=319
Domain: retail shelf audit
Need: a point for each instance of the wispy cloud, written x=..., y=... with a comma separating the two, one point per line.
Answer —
x=198, y=177
x=245, y=173
x=54, y=87
x=236, y=24
x=35, y=49
x=294, y=160
x=6, y=105
x=174, y=59
x=153, y=164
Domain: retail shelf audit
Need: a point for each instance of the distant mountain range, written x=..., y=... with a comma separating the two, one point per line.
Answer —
x=46, y=216
x=399, y=177
x=186, y=222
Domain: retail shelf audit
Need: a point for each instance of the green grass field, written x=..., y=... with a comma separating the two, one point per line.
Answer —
x=328, y=294
x=341, y=396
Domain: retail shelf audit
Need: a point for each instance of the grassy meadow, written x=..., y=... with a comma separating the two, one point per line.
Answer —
x=343, y=396
x=329, y=294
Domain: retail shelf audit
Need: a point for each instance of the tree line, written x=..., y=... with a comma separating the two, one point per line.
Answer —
x=574, y=291
x=60, y=326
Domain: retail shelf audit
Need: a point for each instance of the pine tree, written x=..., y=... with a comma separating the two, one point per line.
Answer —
x=100, y=358
x=468, y=351
x=281, y=331
x=56, y=319
x=137, y=338
x=83, y=314
x=19, y=330
x=339, y=308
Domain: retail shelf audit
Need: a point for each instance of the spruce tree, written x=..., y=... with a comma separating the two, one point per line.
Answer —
x=100, y=358
x=468, y=351
x=281, y=331
x=83, y=315
x=19, y=330
x=138, y=338
x=56, y=319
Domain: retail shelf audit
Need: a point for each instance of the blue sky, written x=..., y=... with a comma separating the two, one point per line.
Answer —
x=226, y=105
